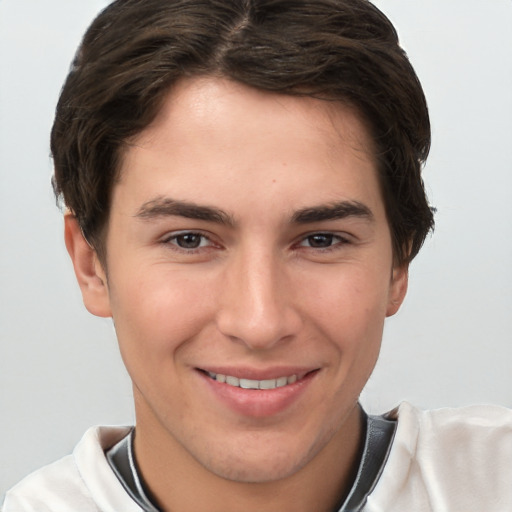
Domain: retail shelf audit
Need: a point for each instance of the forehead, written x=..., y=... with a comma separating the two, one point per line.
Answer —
x=213, y=133
x=217, y=106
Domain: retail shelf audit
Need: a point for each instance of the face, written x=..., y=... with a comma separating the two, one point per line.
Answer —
x=248, y=247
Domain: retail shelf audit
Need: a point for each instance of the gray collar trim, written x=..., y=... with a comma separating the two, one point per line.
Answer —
x=377, y=444
x=122, y=461
x=380, y=433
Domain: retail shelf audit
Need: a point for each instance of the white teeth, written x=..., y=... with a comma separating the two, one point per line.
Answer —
x=292, y=379
x=255, y=384
x=249, y=384
x=268, y=384
x=232, y=381
x=281, y=381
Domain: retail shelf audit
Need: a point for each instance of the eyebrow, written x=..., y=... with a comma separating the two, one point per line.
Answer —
x=333, y=211
x=164, y=207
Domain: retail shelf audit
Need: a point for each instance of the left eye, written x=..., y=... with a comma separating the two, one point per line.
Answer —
x=189, y=240
x=321, y=240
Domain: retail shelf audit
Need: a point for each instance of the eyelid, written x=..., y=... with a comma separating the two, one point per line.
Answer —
x=173, y=235
x=340, y=239
x=341, y=235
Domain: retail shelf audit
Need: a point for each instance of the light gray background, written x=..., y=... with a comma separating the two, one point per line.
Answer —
x=451, y=343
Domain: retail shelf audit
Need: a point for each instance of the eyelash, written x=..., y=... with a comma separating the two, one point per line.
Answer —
x=340, y=241
x=172, y=241
x=335, y=241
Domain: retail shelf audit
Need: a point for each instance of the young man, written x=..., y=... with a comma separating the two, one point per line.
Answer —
x=244, y=197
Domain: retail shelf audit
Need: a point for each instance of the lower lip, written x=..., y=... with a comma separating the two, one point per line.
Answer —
x=258, y=403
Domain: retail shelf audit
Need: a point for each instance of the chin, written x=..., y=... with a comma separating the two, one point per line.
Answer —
x=257, y=472
x=261, y=464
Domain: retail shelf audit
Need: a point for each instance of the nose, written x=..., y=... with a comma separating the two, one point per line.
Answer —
x=257, y=302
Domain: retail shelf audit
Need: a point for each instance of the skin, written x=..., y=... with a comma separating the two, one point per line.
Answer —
x=272, y=285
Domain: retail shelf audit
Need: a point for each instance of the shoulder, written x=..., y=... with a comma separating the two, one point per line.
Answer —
x=477, y=430
x=53, y=487
x=449, y=459
x=81, y=481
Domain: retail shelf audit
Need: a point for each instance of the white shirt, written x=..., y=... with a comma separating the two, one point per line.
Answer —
x=447, y=460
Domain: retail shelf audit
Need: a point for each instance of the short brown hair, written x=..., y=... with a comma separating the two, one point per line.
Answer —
x=341, y=50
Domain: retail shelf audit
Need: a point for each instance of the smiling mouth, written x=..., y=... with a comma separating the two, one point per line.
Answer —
x=236, y=382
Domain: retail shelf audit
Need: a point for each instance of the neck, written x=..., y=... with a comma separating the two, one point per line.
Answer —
x=178, y=482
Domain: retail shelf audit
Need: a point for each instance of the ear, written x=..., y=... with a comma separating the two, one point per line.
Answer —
x=398, y=288
x=89, y=272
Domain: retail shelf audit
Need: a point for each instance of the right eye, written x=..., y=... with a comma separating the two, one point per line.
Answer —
x=188, y=240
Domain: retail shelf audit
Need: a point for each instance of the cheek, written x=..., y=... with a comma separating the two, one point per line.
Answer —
x=156, y=312
x=348, y=312
x=349, y=303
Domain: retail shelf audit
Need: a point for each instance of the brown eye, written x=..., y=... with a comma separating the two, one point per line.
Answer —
x=320, y=240
x=191, y=245
x=189, y=240
x=324, y=241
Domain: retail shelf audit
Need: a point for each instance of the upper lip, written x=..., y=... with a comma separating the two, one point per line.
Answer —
x=243, y=372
